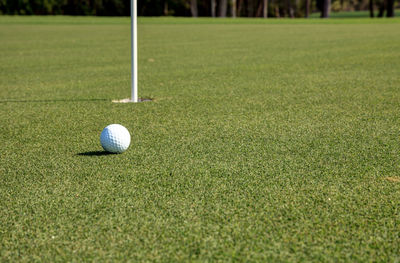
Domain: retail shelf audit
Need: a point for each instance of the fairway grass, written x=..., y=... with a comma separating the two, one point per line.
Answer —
x=265, y=142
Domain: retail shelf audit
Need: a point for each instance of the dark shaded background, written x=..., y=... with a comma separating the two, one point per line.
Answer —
x=221, y=8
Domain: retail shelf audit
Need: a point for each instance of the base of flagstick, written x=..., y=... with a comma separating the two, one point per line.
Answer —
x=128, y=100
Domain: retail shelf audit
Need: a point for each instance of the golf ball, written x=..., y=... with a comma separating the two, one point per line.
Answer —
x=115, y=138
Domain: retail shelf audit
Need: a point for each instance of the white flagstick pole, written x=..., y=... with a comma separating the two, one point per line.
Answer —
x=134, y=93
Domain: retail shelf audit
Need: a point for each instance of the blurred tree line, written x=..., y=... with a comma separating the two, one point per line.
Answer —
x=213, y=8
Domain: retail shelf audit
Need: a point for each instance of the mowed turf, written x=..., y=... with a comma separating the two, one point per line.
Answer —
x=264, y=142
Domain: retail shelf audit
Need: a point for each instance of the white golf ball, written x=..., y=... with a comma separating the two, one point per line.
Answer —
x=115, y=138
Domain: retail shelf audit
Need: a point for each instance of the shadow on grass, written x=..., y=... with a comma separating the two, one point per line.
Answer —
x=49, y=100
x=95, y=153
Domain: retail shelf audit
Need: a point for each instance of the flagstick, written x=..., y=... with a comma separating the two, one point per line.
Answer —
x=134, y=93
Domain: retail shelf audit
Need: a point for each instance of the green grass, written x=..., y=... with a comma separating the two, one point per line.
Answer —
x=265, y=142
x=360, y=17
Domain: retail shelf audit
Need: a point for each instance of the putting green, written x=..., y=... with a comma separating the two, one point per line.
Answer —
x=266, y=141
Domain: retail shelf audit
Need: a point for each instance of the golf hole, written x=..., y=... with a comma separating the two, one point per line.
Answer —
x=128, y=100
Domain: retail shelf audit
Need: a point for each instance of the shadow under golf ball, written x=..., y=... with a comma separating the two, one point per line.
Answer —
x=96, y=153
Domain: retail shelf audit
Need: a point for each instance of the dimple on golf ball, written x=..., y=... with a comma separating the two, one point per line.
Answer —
x=115, y=138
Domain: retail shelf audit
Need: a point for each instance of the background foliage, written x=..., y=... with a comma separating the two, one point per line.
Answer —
x=247, y=8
